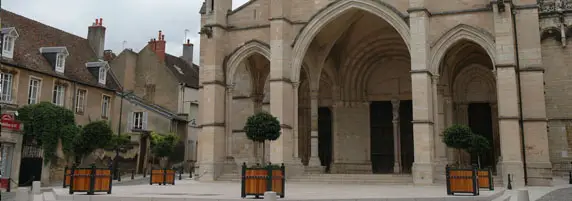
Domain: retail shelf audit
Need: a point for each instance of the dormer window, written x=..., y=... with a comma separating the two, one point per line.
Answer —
x=102, y=74
x=60, y=62
x=56, y=56
x=99, y=70
x=8, y=42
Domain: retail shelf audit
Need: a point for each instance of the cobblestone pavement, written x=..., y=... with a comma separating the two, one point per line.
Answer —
x=564, y=194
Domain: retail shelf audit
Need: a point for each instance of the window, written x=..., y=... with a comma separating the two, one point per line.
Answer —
x=60, y=63
x=102, y=75
x=105, y=106
x=59, y=95
x=34, y=91
x=8, y=44
x=6, y=80
x=80, y=101
x=138, y=120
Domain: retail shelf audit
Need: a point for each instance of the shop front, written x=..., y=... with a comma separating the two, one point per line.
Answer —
x=10, y=146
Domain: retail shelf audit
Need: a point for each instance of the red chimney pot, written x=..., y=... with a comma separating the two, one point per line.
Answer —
x=96, y=22
x=188, y=41
x=100, y=21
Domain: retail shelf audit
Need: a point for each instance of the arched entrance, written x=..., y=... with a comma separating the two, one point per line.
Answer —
x=356, y=80
x=248, y=92
x=468, y=87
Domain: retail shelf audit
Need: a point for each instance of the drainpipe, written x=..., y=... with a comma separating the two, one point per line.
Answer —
x=520, y=119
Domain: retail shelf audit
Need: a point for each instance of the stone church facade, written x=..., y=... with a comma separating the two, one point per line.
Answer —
x=368, y=86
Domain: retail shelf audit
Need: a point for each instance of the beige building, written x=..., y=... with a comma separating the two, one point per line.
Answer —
x=368, y=86
x=41, y=63
x=161, y=95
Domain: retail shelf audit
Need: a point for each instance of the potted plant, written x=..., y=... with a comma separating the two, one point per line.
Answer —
x=262, y=127
x=458, y=137
x=162, y=146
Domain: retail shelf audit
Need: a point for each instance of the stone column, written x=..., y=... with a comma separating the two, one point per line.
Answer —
x=440, y=147
x=507, y=95
x=295, y=87
x=281, y=93
x=314, y=159
x=423, y=133
x=396, y=137
x=228, y=131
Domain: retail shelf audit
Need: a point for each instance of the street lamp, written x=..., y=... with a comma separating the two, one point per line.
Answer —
x=117, y=147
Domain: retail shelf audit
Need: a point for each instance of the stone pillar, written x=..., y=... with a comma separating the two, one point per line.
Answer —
x=314, y=159
x=507, y=95
x=449, y=115
x=212, y=136
x=228, y=116
x=422, y=93
x=281, y=93
x=295, y=87
x=396, y=137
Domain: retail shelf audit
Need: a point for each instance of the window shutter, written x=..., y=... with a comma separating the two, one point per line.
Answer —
x=144, y=121
x=129, y=124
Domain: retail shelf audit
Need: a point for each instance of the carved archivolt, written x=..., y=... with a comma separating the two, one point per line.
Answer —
x=321, y=19
x=242, y=53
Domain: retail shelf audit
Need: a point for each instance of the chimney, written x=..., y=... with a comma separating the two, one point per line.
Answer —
x=188, y=52
x=158, y=46
x=96, y=37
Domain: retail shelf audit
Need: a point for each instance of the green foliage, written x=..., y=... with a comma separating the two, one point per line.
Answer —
x=119, y=141
x=94, y=135
x=262, y=126
x=48, y=124
x=479, y=145
x=163, y=145
x=457, y=136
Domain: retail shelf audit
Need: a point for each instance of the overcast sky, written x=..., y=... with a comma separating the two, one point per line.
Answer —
x=133, y=21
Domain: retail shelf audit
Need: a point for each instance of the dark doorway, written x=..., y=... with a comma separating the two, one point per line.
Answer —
x=480, y=122
x=142, y=153
x=30, y=165
x=325, y=136
x=382, y=154
x=406, y=132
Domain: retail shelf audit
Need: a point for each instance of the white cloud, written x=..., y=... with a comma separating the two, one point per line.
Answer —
x=134, y=21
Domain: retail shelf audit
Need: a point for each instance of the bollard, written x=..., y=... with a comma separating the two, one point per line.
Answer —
x=522, y=195
x=181, y=174
x=509, y=186
x=144, y=172
x=22, y=194
x=270, y=196
x=570, y=177
x=132, y=174
x=9, y=186
x=36, y=187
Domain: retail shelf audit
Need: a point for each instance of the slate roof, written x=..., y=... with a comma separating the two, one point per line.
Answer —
x=33, y=35
x=152, y=107
x=186, y=73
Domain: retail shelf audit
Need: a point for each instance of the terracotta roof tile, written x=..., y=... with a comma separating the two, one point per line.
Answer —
x=34, y=35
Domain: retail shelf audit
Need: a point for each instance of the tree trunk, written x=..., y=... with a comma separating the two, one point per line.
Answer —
x=459, y=161
x=263, y=152
x=479, y=160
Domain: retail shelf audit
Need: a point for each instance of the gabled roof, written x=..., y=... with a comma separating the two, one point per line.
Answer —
x=186, y=73
x=35, y=35
x=151, y=107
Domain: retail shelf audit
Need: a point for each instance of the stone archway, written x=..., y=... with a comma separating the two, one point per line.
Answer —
x=362, y=59
x=247, y=80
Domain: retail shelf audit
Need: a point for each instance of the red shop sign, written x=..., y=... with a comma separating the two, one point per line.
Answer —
x=9, y=122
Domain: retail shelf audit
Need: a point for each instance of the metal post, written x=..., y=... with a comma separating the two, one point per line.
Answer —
x=117, y=173
x=448, y=179
x=65, y=175
x=91, y=180
x=283, y=168
x=269, y=177
x=570, y=177
x=164, y=176
x=509, y=187
x=72, y=177
x=181, y=173
x=144, y=172
x=9, y=184
x=132, y=174
x=243, y=181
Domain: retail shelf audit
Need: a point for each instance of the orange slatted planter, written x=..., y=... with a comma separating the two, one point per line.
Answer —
x=462, y=181
x=257, y=180
x=162, y=176
x=89, y=180
x=485, y=179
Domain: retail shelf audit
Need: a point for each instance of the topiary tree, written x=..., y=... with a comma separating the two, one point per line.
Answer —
x=262, y=126
x=458, y=137
x=48, y=125
x=163, y=145
x=478, y=145
x=94, y=135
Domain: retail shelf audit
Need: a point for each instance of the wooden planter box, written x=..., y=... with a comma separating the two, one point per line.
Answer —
x=485, y=179
x=257, y=180
x=90, y=180
x=461, y=180
x=162, y=176
x=67, y=173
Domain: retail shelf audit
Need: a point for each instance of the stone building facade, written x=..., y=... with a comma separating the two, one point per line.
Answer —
x=368, y=86
x=41, y=63
x=161, y=95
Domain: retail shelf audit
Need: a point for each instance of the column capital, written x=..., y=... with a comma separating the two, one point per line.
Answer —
x=435, y=77
x=295, y=85
x=229, y=88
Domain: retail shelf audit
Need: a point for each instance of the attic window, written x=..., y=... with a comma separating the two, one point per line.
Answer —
x=60, y=62
x=8, y=42
x=102, y=74
x=179, y=69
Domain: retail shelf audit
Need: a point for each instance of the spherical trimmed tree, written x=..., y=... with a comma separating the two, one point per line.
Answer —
x=458, y=137
x=261, y=127
x=478, y=145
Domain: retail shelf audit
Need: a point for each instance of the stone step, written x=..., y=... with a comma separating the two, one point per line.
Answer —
x=353, y=178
